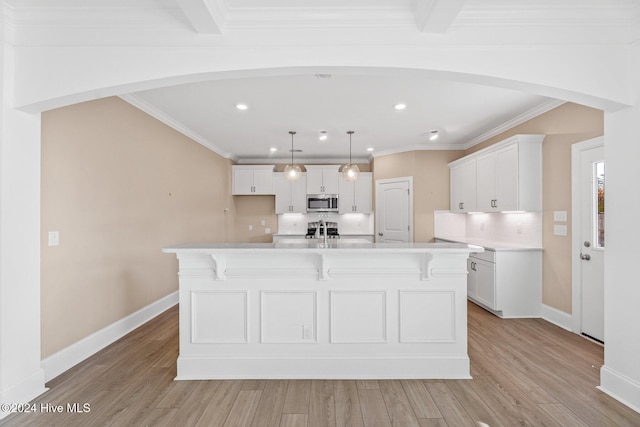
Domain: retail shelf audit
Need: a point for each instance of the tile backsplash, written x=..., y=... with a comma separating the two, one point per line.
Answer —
x=521, y=227
x=350, y=223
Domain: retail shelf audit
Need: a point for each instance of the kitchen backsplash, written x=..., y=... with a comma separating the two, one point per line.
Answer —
x=522, y=227
x=347, y=223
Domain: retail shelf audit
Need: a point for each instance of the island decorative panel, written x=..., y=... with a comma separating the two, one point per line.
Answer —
x=427, y=316
x=219, y=317
x=288, y=316
x=358, y=316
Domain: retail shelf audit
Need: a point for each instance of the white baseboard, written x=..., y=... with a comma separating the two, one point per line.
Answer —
x=557, y=317
x=620, y=387
x=66, y=358
x=322, y=366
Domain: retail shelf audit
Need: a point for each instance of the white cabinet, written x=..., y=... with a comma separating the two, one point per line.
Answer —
x=356, y=196
x=508, y=177
x=322, y=179
x=498, y=179
x=463, y=186
x=508, y=283
x=252, y=180
x=291, y=196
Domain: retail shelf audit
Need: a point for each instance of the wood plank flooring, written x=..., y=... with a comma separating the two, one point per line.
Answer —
x=525, y=372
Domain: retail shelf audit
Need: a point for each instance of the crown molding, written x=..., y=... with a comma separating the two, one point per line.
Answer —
x=300, y=161
x=427, y=146
x=160, y=115
x=527, y=115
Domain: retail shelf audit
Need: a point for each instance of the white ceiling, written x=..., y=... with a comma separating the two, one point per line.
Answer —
x=352, y=99
x=362, y=103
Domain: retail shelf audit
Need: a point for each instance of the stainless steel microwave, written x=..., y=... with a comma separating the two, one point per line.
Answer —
x=322, y=203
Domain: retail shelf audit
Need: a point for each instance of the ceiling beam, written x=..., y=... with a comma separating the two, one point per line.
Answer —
x=206, y=16
x=436, y=16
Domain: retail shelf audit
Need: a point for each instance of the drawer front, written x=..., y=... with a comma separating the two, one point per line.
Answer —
x=489, y=256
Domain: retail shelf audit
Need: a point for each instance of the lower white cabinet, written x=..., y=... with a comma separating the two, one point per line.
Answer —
x=508, y=283
x=481, y=282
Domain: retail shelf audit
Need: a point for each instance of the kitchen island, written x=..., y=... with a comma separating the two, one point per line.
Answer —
x=342, y=309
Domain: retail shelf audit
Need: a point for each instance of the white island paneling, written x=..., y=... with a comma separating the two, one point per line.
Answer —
x=304, y=309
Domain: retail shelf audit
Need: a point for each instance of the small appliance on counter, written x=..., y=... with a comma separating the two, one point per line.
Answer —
x=314, y=230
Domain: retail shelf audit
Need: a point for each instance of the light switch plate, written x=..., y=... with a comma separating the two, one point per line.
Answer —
x=54, y=238
x=560, y=230
x=560, y=216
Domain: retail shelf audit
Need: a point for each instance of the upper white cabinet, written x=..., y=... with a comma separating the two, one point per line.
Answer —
x=356, y=196
x=498, y=181
x=508, y=177
x=291, y=196
x=322, y=179
x=252, y=180
x=463, y=187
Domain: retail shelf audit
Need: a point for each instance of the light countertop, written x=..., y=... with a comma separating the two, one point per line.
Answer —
x=316, y=245
x=491, y=245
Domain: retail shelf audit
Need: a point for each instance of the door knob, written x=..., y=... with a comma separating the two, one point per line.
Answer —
x=587, y=243
x=585, y=257
x=380, y=234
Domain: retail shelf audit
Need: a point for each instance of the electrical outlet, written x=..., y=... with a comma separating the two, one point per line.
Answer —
x=307, y=332
x=267, y=231
x=250, y=227
x=263, y=222
x=519, y=228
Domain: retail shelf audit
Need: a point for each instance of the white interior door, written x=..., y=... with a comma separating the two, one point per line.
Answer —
x=394, y=210
x=592, y=238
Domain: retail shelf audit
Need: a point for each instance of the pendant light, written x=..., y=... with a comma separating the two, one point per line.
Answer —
x=350, y=171
x=292, y=171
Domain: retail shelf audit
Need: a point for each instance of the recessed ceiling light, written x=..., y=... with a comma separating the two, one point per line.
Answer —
x=242, y=106
x=400, y=106
x=370, y=149
x=273, y=149
x=323, y=135
x=434, y=135
x=323, y=76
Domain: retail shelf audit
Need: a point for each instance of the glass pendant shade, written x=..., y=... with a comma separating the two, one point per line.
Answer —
x=292, y=172
x=350, y=171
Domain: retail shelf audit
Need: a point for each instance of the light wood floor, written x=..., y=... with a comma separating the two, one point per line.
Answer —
x=525, y=372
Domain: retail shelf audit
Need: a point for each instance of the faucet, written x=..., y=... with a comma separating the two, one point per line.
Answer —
x=323, y=224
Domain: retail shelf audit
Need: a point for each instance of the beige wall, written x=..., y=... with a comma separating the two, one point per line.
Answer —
x=430, y=183
x=119, y=185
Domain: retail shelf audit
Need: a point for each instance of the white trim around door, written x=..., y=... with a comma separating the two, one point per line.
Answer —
x=576, y=228
x=409, y=181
